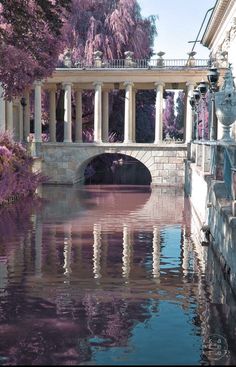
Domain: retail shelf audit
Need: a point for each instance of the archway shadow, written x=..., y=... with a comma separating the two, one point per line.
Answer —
x=116, y=169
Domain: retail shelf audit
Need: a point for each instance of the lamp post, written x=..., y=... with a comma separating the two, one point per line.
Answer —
x=213, y=77
x=193, y=105
x=23, y=104
x=194, y=102
x=202, y=87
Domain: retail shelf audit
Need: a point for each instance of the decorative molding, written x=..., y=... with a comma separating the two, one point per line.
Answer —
x=218, y=17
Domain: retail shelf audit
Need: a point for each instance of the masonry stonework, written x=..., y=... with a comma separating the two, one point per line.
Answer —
x=65, y=163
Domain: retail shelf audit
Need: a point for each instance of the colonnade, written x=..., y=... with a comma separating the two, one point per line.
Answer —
x=101, y=112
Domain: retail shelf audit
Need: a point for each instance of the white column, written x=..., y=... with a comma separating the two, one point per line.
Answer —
x=156, y=253
x=98, y=112
x=105, y=115
x=189, y=115
x=37, y=112
x=78, y=120
x=21, y=122
x=2, y=111
x=97, y=251
x=126, y=252
x=128, y=133
x=134, y=116
x=52, y=114
x=67, y=113
x=10, y=116
x=26, y=122
x=159, y=112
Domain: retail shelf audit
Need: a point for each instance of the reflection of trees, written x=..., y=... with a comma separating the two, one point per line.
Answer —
x=15, y=218
x=38, y=336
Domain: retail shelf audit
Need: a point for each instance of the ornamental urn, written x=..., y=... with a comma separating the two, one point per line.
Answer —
x=225, y=102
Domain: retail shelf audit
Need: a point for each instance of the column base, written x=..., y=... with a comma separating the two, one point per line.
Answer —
x=67, y=141
x=128, y=142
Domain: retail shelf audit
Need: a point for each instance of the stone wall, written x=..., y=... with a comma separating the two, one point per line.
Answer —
x=211, y=207
x=64, y=163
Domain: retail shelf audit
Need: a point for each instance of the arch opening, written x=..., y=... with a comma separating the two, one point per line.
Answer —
x=116, y=169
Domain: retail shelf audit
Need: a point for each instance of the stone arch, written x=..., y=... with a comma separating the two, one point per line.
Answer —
x=147, y=162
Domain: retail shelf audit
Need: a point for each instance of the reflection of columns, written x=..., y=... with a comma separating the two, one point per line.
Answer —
x=189, y=115
x=10, y=116
x=134, y=116
x=2, y=111
x=98, y=112
x=78, y=118
x=37, y=112
x=156, y=253
x=67, y=113
x=67, y=249
x=38, y=245
x=105, y=115
x=97, y=251
x=52, y=114
x=159, y=112
x=26, y=122
x=126, y=252
x=128, y=134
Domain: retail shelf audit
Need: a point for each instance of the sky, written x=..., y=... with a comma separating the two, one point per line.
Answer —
x=178, y=22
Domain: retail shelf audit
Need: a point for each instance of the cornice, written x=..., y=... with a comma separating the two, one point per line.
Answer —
x=218, y=17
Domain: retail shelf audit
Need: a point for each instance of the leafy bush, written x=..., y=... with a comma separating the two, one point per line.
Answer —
x=16, y=176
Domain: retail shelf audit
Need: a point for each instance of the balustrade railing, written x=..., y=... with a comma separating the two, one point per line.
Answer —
x=141, y=64
x=229, y=175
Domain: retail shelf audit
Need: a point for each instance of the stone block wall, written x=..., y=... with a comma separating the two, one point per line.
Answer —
x=64, y=163
x=210, y=206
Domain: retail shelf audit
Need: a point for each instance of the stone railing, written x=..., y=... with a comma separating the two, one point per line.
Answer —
x=218, y=160
x=130, y=62
x=139, y=64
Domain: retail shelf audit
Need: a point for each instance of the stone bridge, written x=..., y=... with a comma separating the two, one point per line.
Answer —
x=65, y=163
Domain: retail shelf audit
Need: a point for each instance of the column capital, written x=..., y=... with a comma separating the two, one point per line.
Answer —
x=51, y=88
x=128, y=83
x=190, y=84
x=38, y=83
x=78, y=88
x=159, y=83
x=66, y=84
x=97, y=83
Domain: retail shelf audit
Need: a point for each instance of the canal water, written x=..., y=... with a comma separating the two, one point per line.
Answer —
x=100, y=275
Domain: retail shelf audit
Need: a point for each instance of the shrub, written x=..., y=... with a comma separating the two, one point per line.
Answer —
x=16, y=176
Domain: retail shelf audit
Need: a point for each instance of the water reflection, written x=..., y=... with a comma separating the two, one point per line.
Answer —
x=101, y=276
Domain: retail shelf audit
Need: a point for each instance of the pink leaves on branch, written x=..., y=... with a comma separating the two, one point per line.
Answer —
x=16, y=176
x=111, y=26
x=30, y=41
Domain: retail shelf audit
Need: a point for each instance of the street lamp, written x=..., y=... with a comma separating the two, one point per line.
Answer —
x=23, y=104
x=193, y=105
x=202, y=87
x=194, y=102
x=213, y=77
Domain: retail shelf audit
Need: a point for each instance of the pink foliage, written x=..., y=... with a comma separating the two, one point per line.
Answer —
x=16, y=176
x=110, y=26
x=30, y=42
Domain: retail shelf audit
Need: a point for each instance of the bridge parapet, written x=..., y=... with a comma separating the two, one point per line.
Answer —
x=143, y=64
x=65, y=163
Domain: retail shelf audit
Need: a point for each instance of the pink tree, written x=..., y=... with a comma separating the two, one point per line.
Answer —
x=169, y=115
x=30, y=41
x=111, y=26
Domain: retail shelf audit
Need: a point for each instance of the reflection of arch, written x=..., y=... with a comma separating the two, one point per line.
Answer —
x=113, y=168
